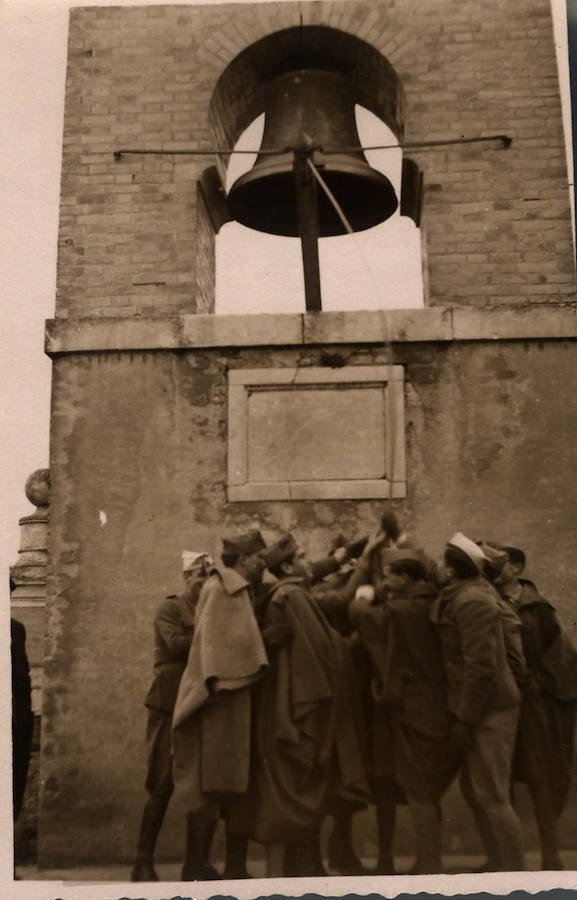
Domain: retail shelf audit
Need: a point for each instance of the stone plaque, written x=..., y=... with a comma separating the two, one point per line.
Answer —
x=309, y=435
x=316, y=433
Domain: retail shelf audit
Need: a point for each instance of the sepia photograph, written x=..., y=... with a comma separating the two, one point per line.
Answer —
x=290, y=428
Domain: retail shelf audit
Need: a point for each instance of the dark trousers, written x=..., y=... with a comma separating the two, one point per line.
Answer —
x=159, y=783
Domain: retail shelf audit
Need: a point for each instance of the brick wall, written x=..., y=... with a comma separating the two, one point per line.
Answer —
x=205, y=259
x=496, y=222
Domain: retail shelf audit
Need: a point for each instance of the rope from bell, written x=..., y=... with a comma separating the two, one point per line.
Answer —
x=390, y=432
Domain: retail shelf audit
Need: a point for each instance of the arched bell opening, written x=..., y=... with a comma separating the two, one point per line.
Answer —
x=255, y=272
x=316, y=86
x=378, y=268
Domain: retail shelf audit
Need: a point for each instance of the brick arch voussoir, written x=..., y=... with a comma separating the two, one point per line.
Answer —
x=379, y=27
x=246, y=28
x=238, y=94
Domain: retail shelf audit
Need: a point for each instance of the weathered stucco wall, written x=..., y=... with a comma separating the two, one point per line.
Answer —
x=138, y=470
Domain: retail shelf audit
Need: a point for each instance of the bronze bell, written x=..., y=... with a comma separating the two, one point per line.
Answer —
x=311, y=108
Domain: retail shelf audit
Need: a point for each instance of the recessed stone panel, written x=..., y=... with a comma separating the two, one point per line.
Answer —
x=321, y=434
x=316, y=433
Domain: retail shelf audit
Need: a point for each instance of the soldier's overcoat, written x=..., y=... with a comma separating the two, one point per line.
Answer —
x=213, y=713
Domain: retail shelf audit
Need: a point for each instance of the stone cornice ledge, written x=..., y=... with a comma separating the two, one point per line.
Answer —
x=184, y=332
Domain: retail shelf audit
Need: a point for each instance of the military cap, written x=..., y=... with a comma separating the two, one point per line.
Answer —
x=249, y=542
x=495, y=554
x=281, y=550
x=396, y=554
x=190, y=558
x=469, y=548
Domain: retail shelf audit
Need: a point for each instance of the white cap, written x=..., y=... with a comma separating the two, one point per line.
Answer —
x=470, y=548
x=190, y=558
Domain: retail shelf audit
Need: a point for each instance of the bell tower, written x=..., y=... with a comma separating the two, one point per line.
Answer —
x=172, y=425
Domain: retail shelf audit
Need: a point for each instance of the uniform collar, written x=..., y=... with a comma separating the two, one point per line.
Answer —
x=422, y=589
x=187, y=608
x=290, y=579
x=513, y=595
x=529, y=595
x=453, y=588
x=455, y=584
x=233, y=582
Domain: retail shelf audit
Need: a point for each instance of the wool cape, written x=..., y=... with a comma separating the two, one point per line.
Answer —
x=545, y=747
x=307, y=745
x=409, y=686
x=213, y=713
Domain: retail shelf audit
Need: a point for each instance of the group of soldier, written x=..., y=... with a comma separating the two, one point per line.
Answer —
x=287, y=691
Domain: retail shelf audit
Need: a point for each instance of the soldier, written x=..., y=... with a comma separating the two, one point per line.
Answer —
x=307, y=745
x=409, y=683
x=173, y=630
x=212, y=724
x=387, y=793
x=335, y=596
x=510, y=620
x=544, y=750
x=482, y=696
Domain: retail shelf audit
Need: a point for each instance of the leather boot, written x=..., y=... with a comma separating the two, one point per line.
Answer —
x=547, y=818
x=386, y=810
x=152, y=819
x=342, y=856
x=316, y=858
x=304, y=860
x=235, y=854
x=426, y=819
x=199, y=834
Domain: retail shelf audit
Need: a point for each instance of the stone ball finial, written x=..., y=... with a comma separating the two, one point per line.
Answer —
x=37, y=487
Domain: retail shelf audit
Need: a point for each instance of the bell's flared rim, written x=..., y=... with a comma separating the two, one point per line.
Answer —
x=264, y=198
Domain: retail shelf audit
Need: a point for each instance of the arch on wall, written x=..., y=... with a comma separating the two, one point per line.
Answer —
x=239, y=101
x=239, y=94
